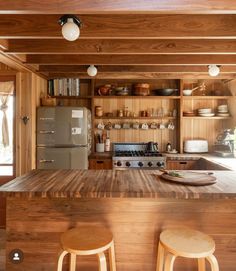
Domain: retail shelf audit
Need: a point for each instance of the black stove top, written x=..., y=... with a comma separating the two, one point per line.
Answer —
x=137, y=154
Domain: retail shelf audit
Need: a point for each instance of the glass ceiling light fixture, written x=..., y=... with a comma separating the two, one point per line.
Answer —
x=92, y=70
x=70, y=27
x=213, y=70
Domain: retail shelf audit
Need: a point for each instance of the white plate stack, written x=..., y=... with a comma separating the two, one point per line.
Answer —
x=205, y=112
x=223, y=111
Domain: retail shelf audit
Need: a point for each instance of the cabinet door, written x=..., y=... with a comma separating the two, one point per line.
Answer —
x=181, y=165
x=100, y=164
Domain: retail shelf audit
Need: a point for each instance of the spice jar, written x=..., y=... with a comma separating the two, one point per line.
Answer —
x=98, y=111
x=120, y=113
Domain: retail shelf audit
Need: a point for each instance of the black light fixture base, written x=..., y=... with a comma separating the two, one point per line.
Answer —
x=64, y=19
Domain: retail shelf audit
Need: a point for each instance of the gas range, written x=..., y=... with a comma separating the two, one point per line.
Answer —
x=136, y=155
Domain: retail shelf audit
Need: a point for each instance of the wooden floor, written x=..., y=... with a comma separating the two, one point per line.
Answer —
x=2, y=249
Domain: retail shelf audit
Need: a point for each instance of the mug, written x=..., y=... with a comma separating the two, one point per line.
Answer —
x=117, y=126
x=136, y=125
x=108, y=126
x=126, y=126
x=162, y=126
x=153, y=125
x=144, y=126
x=101, y=126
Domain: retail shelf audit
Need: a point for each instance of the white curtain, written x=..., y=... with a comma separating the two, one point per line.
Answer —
x=6, y=88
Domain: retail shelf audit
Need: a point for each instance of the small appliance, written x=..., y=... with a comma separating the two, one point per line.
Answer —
x=195, y=146
x=224, y=145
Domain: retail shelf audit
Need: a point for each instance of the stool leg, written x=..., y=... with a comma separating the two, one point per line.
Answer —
x=60, y=260
x=213, y=262
x=160, y=257
x=169, y=262
x=102, y=261
x=201, y=264
x=72, y=262
x=112, y=259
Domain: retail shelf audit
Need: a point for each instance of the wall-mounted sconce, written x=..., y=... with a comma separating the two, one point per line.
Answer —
x=92, y=70
x=213, y=70
x=70, y=27
x=25, y=119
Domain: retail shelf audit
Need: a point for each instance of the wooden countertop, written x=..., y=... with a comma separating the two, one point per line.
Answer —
x=114, y=184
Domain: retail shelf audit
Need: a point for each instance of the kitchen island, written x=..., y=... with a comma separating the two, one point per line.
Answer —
x=135, y=204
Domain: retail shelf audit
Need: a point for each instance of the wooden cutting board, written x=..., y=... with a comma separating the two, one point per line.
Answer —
x=191, y=178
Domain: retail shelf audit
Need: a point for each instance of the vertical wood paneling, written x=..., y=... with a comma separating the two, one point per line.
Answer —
x=35, y=225
x=29, y=89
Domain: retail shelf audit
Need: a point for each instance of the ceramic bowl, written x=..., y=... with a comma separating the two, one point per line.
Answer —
x=187, y=92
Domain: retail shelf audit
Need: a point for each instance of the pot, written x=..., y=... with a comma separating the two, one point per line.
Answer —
x=104, y=90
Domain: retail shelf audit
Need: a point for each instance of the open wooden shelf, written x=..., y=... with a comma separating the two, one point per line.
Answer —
x=72, y=97
x=136, y=97
x=170, y=118
x=207, y=118
x=207, y=97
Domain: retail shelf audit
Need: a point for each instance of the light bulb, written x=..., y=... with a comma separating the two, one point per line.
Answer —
x=92, y=70
x=213, y=70
x=70, y=30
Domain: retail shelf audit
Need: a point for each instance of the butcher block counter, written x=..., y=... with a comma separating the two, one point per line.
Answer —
x=136, y=205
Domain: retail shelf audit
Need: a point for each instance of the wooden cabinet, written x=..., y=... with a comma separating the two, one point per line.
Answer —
x=181, y=164
x=100, y=163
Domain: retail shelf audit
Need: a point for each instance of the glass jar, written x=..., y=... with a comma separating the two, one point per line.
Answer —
x=98, y=111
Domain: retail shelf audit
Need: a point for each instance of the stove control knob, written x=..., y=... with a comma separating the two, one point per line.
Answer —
x=119, y=164
x=160, y=164
x=128, y=164
x=150, y=164
x=140, y=164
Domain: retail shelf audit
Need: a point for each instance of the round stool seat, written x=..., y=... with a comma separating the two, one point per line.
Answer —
x=86, y=240
x=187, y=243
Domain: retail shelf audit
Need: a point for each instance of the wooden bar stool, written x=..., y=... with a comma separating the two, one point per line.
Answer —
x=89, y=240
x=185, y=243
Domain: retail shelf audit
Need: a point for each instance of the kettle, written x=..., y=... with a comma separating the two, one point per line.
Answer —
x=152, y=146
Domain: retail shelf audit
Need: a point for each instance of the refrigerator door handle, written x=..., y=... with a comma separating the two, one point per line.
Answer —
x=46, y=132
x=46, y=161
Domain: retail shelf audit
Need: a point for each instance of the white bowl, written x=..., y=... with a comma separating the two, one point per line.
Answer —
x=187, y=92
x=204, y=110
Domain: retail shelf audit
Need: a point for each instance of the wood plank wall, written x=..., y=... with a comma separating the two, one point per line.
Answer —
x=34, y=226
x=29, y=88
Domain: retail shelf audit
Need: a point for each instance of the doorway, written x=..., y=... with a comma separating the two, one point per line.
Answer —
x=7, y=138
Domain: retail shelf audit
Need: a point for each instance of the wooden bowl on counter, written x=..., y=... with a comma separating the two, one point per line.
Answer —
x=142, y=89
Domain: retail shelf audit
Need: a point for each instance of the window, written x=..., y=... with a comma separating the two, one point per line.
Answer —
x=6, y=129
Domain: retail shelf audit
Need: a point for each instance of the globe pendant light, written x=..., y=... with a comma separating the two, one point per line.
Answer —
x=92, y=70
x=213, y=70
x=70, y=27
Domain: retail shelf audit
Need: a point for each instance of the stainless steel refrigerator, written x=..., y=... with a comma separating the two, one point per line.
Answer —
x=63, y=137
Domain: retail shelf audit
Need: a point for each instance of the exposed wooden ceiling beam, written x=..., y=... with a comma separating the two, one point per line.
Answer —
x=122, y=46
x=132, y=69
x=144, y=75
x=114, y=6
x=122, y=26
x=132, y=59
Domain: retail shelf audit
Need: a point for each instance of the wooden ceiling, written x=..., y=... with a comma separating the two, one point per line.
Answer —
x=142, y=39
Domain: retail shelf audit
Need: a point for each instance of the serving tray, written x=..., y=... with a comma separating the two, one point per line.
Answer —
x=191, y=178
